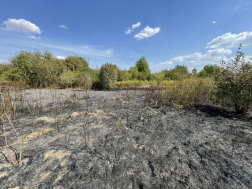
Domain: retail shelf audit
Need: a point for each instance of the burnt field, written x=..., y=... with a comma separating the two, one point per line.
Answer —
x=117, y=139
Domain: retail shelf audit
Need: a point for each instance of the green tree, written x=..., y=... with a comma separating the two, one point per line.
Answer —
x=209, y=71
x=123, y=75
x=75, y=63
x=142, y=68
x=134, y=72
x=25, y=65
x=66, y=79
x=159, y=77
x=194, y=72
x=177, y=73
x=48, y=72
x=108, y=75
x=234, y=83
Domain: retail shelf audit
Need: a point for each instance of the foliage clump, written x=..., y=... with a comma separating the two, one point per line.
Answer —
x=209, y=71
x=66, y=79
x=75, y=63
x=234, y=83
x=178, y=73
x=108, y=75
x=143, y=71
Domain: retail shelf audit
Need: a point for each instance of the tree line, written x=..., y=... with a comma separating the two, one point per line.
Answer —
x=41, y=69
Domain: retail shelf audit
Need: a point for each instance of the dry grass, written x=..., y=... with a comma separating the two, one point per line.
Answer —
x=140, y=84
x=185, y=93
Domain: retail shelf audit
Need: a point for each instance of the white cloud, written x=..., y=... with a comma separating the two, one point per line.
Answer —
x=229, y=40
x=63, y=26
x=213, y=22
x=136, y=25
x=33, y=37
x=85, y=47
x=238, y=6
x=214, y=56
x=166, y=63
x=79, y=50
x=20, y=25
x=147, y=32
x=219, y=51
x=60, y=57
x=128, y=31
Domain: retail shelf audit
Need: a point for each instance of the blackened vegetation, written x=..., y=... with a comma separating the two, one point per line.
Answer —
x=133, y=144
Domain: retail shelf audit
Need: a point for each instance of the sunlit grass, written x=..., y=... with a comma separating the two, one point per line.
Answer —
x=140, y=84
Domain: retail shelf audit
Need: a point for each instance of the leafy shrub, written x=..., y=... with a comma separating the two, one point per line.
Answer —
x=234, y=83
x=108, y=75
x=48, y=72
x=159, y=77
x=75, y=63
x=194, y=72
x=66, y=79
x=24, y=64
x=210, y=71
x=37, y=69
x=178, y=73
x=4, y=68
x=123, y=75
x=85, y=81
x=143, y=69
x=133, y=72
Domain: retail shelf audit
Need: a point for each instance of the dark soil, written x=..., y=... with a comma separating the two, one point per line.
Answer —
x=129, y=143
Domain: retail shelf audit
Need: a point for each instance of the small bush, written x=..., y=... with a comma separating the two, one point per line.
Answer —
x=108, y=75
x=234, y=83
x=85, y=81
x=66, y=79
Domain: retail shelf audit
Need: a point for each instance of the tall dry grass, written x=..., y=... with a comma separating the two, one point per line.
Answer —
x=184, y=93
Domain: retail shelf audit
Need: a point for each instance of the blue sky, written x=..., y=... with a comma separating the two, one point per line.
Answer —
x=166, y=32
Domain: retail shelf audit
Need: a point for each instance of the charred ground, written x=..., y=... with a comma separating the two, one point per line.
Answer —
x=118, y=140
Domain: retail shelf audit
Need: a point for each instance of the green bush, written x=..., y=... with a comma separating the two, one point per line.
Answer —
x=159, y=77
x=209, y=71
x=108, y=75
x=85, y=81
x=75, y=63
x=177, y=73
x=143, y=69
x=25, y=63
x=66, y=79
x=194, y=72
x=48, y=72
x=94, y=74
x=123, y=75
x=234, y=83
x=133, y=72
x=5, y=67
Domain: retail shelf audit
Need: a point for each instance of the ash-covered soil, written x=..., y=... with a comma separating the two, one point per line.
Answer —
x=118, y=140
